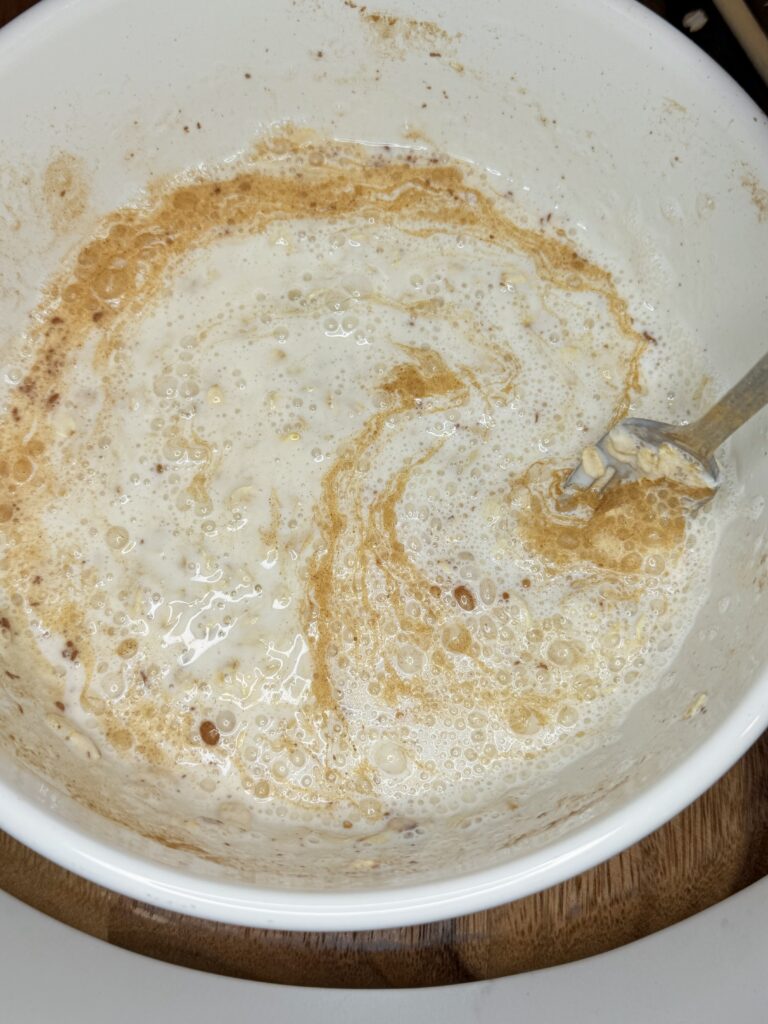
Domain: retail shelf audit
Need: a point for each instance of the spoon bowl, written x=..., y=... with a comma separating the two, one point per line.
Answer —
x=637, y=448
x=648, y=449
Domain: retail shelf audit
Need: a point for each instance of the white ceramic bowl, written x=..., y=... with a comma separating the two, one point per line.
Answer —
x=597, y=109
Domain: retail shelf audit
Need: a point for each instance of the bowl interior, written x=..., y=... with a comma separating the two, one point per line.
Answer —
x=597, y=111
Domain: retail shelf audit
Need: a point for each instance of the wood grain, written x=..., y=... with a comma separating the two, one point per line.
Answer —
x=10, y=8
x=713, y=849
x=716, y=847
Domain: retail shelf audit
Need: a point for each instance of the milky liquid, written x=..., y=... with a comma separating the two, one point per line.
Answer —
x=287, y=501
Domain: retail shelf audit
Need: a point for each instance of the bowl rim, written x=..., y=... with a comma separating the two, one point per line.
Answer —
x=181, y=891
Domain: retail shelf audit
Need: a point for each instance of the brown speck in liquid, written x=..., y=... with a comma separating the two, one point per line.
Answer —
x=465, y=598
x=70, y=652
x=127, y=648
x=209, y=733
x=60, y=705
x=525, y=584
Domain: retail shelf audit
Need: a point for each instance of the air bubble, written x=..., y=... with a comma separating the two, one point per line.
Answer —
x=165, y=387
x=114, y=687
x=226, y=721
x=118, y=538
x=389, y=757
x=409, y=659
x=562, y=653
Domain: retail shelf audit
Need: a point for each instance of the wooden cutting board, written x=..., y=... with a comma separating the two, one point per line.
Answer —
x=713, y=849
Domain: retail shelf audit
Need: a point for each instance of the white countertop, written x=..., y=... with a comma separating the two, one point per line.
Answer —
x=710, y=968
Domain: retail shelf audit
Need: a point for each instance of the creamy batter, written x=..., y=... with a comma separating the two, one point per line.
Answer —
x=283, y=511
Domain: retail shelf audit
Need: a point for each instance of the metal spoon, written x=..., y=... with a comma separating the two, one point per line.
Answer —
x=637, y=448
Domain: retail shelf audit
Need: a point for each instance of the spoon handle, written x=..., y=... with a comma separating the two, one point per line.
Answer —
x=737, y=406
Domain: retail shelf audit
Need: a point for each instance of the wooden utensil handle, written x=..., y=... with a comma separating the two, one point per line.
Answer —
x=731, y=412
